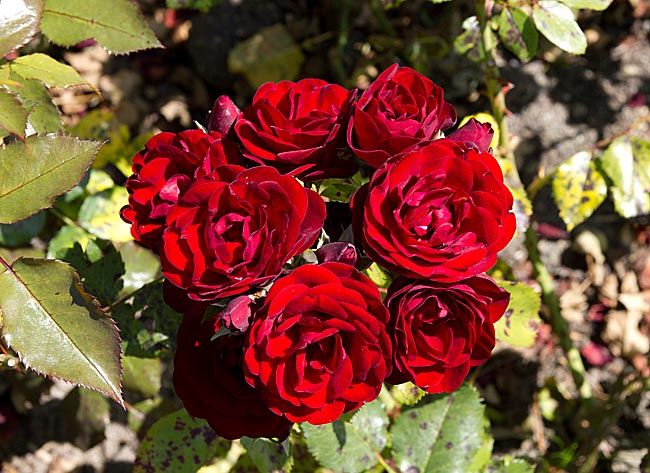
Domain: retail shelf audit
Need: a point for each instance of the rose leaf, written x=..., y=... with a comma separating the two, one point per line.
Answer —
x=268, y=456
x=19, y=21
x=519, y=325
x=556, y=21
x=518, y=33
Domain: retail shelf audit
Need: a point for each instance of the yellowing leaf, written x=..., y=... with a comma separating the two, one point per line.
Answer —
x=578, y=188
x=56, y=328
x=520, y=323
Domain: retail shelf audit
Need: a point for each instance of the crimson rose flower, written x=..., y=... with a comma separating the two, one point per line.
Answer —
x=400, y=109
x=163, y=171
x=438, y=212
x=297, y=127
x=319, y=347
x=209, y=379
x=234, y=229
x=441, y=330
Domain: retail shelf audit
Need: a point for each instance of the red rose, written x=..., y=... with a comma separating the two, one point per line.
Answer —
x=441, y=330
x=234, y=229
x=474, y=135
x=319, y=347
x=163, y=171
x=209, y=379
x=297, y=127
x=400, y=109
x=437, y=212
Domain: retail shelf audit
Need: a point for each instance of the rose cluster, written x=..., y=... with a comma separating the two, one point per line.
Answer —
x=280, y=323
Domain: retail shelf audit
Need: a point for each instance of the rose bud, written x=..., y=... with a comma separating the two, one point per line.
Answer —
x=400, y=109
x=474, y=135
x=340, y=252
x=223, y=115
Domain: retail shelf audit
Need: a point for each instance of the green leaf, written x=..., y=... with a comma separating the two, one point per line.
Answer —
x=87, y=414
x=270, y=55
x=578, y=188
x=509, y=465
x=520, y=323
x=56, y=328
x=142, y=266
x=142, y=375
x=407, y=394
x=556, y=21
x=100, y=268
x=468, y=41
x=443, y=436
x=65, y=239
x=118, y=25
x=268, y=456
x=13, y=116
x=100, y=215
x=144, y=414
x=19, y=233
x=518, y=33
x=34, y=172
x=103, y=125
x=44, y=116
x=47, y=70
x=19, y=22
x=350, y=447
x=378, y=275
x=203, y=5
x=177, y=442
x=627, y=163
x=597, y=5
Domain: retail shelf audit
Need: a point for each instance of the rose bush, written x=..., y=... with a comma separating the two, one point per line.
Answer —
x=439, y=212
x=209, y=379
x=319, y=346
x=234, y=229
x=163, y=171
x=441, y=330
x=298, y=128
x=400, y=109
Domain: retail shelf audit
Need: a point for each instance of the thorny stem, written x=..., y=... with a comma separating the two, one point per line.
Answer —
x=558, y=323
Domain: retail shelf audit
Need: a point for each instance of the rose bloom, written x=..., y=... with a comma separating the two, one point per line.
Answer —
x=441, y=330
x=439, y=212
x=319, y=347
x=209, y=379
x=298, y=128
x=163, y=171
x=400, y=109
x=234, y=229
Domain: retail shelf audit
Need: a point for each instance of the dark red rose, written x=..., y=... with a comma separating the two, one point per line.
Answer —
x=209, y=379
x=441, y=330
x=223, y=115
x=400, y=109
x=319, y=347
x=474, y=135
x=298, y=128
x=234, y=229
x=437, y=212
x=163, y=171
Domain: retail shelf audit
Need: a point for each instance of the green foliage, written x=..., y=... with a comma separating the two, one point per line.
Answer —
x=519, y=325
x=178, y=442
x=377, y=275
x=597, y=5
x=556, y=21
x=20, y=24
x=517, y=32
x=49, y=71
x=100, y=215
x=578, y=188
x=19, y=233
x=43, y=116
x=350, y=447
x=34, y=172
x=13, y=116
x=444, y=435
x=87, y=414
x=46, y=311
x=120, y=28
x=203, y=5
x=407, y=394
x=468, y=42
x=509, y=465
x=626, y=161
x=142, y=375
x=267, y=455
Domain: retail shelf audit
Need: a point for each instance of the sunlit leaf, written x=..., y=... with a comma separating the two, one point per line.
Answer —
x=469, y=40
x=518, y=33
x=627, y=163
x=203, y=5
x=46, y=69
x=18, y=23
x=268, y=456
x=102, y=125
x=13, y=116
x=589, y=4
x=100, y=215
x=353, y=446
x=177, y=442
x=56, y=328
x=578, y=188
x=270, y=55
x=65, y=239
x=407, y=394
x=378, y=275
x=142, y=375
x=556, y=21
x=520, y=323
x=34, y=172
x=44, y=116
x=142, y=266
x=120, y=28
x=444, y=435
